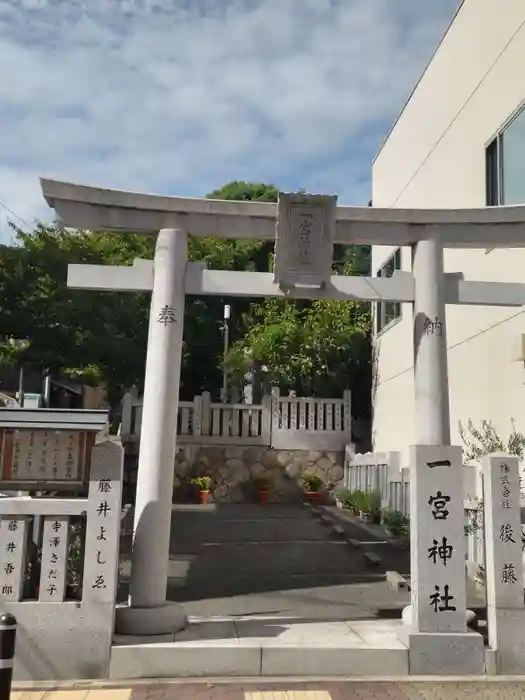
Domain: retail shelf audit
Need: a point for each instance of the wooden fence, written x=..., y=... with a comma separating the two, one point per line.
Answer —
x=279, y=422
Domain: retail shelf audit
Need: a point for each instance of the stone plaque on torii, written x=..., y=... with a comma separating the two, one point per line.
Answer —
x=437, y=636
x=304, y=236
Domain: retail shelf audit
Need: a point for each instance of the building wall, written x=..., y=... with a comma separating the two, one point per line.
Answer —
x=435, y=158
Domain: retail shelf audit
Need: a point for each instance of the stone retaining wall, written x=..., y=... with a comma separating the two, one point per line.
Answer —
x=233, y=470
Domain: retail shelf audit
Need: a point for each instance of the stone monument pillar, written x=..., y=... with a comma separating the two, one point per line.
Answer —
x=504, y=563
x=148, y=613
x=435, y=629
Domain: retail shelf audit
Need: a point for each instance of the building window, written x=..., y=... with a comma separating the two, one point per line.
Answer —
x=388, y=311
x=505, y=164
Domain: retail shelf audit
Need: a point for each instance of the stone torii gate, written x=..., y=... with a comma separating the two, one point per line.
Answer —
x=307, y=227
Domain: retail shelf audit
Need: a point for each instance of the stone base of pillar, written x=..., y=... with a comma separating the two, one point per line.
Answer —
x=406, y=617
x=507, y=640
x=147, y=622
x=443, y=653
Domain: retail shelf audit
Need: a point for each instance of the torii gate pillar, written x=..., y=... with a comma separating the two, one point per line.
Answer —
x=431, y=391
x=148, y=613
x=435, y=624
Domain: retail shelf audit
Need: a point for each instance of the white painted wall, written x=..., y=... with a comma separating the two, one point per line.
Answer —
x=435, y=157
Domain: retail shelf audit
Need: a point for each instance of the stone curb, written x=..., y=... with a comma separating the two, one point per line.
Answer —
x=397, y=581
x=107, y=684
x=371, y=558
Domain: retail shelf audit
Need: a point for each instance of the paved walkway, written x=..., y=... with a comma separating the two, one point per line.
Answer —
x=301, y=568
x=329, y=690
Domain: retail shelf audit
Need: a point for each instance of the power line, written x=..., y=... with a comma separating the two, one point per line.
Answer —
x=9, y=239
x=458, y=344
x=458, y=114
x=13, y=213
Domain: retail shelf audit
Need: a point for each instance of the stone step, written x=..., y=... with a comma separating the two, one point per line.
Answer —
x=265, y=647
x=259, y=558
x=187, y=512
x=209, y=588
x=198, y=533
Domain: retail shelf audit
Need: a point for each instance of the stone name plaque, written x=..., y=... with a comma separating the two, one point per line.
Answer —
x=437, y=539
x=504, y=564
x=304, y=239
x=41, y=456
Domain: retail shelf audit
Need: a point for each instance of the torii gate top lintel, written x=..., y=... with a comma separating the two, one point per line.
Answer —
x=81, y=206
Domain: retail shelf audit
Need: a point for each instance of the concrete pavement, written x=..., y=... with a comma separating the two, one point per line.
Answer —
x=399, y=689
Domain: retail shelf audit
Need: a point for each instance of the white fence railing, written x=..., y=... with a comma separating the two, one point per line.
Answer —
x=280, y=422
x=379, y=472
x=66, y=617
x=382, y=473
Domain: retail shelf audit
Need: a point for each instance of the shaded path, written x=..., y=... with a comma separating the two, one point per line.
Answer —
x=247, y=559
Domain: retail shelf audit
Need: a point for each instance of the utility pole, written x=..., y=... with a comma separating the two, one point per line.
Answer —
x=226, y=334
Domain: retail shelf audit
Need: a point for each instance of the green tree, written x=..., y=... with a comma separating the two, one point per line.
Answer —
x=95, y=336
x=101, y=336
x=315, y=347
x=202, y=332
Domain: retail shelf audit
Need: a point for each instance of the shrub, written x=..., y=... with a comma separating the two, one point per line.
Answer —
x=396, y=522
x=485, y=440
x=202, y=482
x=367, y=502
x=345, y=496
x=312, y=482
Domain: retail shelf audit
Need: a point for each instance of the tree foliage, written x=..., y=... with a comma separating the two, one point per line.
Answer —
x=317, y=347
x=96, y=336
x=485, y=440
x=314, y=348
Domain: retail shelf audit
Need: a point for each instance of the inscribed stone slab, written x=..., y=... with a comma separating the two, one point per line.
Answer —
x=504, y=565
x=304, y=239
x=437, y=539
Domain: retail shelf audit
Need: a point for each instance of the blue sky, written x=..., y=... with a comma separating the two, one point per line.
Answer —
x=181, y=96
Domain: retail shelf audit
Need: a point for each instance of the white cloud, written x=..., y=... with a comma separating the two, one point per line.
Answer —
x=180, y=96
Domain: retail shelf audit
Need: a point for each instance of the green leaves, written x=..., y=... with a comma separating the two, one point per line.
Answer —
x=486, y=440
x=315, y=347
x=92, y=336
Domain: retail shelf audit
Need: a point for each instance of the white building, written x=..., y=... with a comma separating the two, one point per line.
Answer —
x=459, y=142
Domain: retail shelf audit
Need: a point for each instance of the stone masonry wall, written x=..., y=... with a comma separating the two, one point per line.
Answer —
x=233, y=470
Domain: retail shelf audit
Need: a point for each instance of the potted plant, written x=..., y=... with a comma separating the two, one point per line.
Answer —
x=397, y=525
x=203, y=483
x=345, y=499
x=368, y=503
x=312, y=485
x=355, y=502
x=261, y=485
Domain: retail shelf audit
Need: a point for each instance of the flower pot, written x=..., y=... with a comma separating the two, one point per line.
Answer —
x=313, y=497
x=264, y=495
x=366, y=517
x=203, y=497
